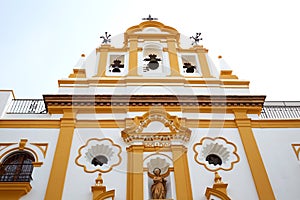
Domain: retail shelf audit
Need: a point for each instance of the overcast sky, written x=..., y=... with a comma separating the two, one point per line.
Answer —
x=41, y=41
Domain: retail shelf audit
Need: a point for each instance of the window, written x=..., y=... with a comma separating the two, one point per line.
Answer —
x=17, y=167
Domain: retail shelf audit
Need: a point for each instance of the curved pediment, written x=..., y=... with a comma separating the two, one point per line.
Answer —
x=151, y=24
x=139, y=129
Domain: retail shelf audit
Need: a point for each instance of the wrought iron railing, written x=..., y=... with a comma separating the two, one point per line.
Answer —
x=27, y=106
x=15, y=172
x=281, y=110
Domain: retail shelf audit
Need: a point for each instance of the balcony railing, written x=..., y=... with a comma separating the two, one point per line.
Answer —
x=15, y=172
x=27, y=106
x=281, y=110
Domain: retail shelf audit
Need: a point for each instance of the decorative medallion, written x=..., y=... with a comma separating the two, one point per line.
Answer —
x=216, y=153
x=99, y=155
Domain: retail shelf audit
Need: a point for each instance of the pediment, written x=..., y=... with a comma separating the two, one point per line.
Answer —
x=143, y=129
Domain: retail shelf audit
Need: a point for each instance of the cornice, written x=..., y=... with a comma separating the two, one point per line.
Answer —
x=205, y=103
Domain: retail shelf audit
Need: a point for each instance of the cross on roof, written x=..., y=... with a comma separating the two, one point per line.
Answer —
x=149, y=18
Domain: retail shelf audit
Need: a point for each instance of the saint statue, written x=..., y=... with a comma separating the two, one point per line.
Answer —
x=158, y=188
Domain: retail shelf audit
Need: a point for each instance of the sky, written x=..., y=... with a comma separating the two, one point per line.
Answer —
x=41, y=41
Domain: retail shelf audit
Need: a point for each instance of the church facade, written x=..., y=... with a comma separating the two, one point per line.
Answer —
x=148, y=115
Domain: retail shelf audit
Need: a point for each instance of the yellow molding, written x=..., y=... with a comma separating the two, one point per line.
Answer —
x=219, y=168
x=135, y=183
x=100, y=123
x=227, y=74
x=272, y=123
x=296, y=148
x=133, y=57
x=25, y=123
x=60, y=162
x=146, y=24
x=11, y=91
x=78, y=73
x=181, y=173
x=13, y=190
x=259, y=173
x=97, y=169
x=191, y=123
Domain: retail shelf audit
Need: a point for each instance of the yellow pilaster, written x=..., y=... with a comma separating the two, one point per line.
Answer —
x=102, y=60
x=135, y=186
x=61, y=157
x=173, y=57
x=133, y=57
x=181, y=173
x=203, y=61
x=256, y=164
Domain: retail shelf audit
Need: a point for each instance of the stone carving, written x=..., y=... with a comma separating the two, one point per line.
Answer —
x=158, y=188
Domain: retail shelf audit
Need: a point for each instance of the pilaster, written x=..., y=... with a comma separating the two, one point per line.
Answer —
x=104, y=49
x=61, y=157
x=181, y=173
x=256, y=164
x=135, y=186
x=173, y=57
x=133, y=57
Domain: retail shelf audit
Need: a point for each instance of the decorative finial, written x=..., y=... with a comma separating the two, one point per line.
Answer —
x=149, y=18
x=196, y=39
x=99, y=180
x=105, y=38
x=218, y=178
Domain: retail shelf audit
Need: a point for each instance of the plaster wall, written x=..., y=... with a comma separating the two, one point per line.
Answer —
x=239, y=179
x=41, y=174
x=78, y=183
x=280, y=160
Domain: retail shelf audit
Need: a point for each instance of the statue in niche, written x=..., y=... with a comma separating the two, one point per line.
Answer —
x=158, y=188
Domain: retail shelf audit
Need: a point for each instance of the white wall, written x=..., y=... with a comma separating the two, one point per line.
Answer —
x=280, y=160
x=78, y=183
x=40, y=175
x=239, y=179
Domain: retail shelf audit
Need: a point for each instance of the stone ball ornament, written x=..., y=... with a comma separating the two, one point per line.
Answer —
x=99, y=155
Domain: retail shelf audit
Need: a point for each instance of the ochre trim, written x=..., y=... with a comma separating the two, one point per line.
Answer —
x=13, y=190
x=111, y=123
x=135, y=183
x=181, y=173
x=259, y=173
x=296, y=148
x=24, y=123
x=42, y=146
x=219, y=168
x=123, y=103
x=58, y=172
x=104, y=49
x=211, y=191
x=99, y=170
x=133, y=57
x=11, y=91
x=78, y=73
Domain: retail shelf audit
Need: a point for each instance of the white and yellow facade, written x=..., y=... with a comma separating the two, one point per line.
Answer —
x=140, y=118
